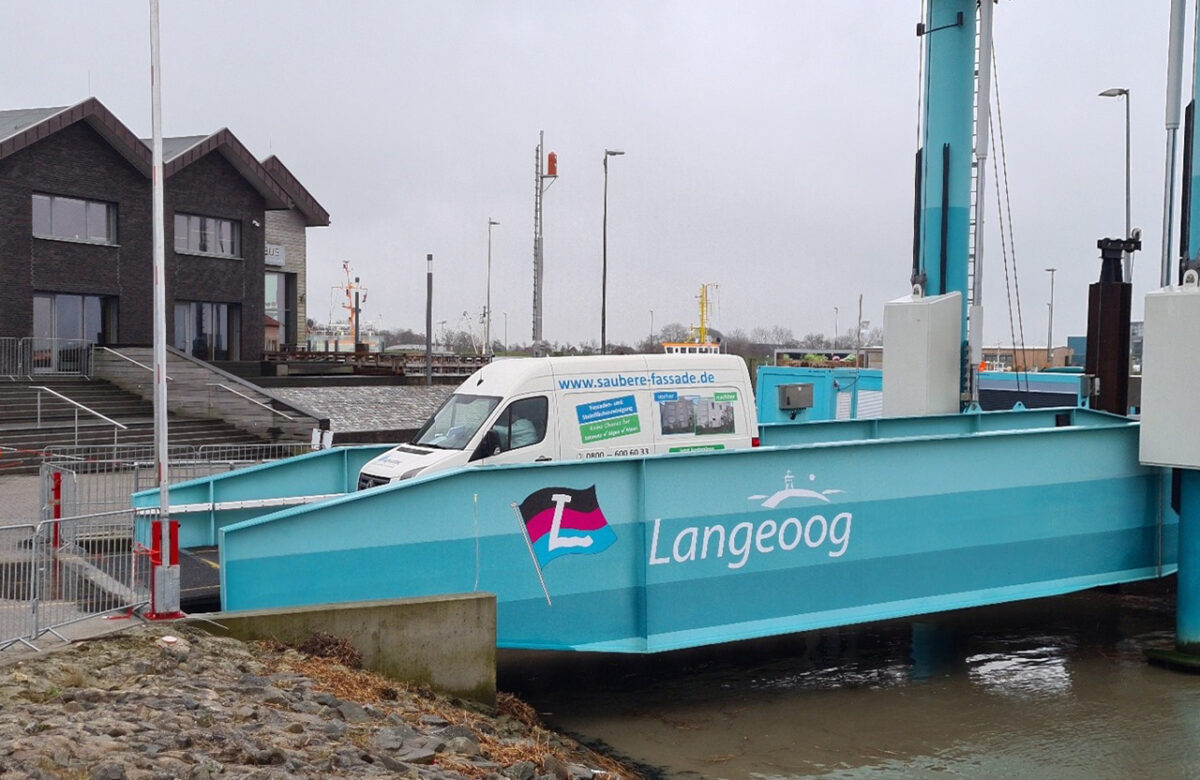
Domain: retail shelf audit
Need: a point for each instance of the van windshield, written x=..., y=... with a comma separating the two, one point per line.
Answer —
x=454, y=425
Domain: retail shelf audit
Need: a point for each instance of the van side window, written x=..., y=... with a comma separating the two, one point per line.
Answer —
x=522, y=423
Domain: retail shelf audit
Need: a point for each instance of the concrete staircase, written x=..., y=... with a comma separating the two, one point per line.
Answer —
x=22, y=441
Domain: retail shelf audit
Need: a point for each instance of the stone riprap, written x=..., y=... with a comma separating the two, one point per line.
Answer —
x=384, y=408
x=142, y=705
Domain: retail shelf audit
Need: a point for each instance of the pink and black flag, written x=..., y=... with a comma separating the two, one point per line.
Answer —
x=563, y=521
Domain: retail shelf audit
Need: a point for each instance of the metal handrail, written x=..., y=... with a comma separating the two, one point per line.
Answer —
x=137, y=363
x=78, y=406
x=252, y=400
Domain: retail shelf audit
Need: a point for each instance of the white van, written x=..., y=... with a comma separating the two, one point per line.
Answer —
x=560, y=408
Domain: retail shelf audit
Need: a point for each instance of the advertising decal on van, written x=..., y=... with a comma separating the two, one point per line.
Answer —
x=608, y=419
x=694, y=414
x=636, y=379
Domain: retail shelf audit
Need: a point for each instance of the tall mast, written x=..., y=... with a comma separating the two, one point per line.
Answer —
x=983, y=95
x=537, y=241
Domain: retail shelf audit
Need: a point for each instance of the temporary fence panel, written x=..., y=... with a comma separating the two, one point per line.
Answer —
x=10, y=357
x=66, y=571
x=17, y=607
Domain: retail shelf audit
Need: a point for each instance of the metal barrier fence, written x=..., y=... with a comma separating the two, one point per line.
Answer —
x=81, y=559
x=36, y=356
x=59, y=572
x=100, y=478
x=10, y=357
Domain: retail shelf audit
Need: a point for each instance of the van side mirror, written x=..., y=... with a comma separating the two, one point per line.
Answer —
x=490, y=445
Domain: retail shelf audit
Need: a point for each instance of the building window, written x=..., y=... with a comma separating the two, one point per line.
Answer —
x=280, y=306
x=208, y=331
x=74, y=219
x=208, y=235
x=64, y=323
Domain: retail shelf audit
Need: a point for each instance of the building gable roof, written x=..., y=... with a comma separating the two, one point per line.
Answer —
x=180, y=152
x=314, y=213
x=22, y=127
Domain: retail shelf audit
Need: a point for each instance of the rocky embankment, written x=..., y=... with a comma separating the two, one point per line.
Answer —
x=141, y=704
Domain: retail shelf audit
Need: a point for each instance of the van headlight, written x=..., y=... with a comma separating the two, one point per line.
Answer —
x=412, y=472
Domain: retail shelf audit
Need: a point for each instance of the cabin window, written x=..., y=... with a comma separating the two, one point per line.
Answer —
x=522, y=423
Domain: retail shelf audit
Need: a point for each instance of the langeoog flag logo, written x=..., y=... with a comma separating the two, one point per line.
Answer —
x=563, y=521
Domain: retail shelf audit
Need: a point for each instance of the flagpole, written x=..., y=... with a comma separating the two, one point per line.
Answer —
x=532, y=554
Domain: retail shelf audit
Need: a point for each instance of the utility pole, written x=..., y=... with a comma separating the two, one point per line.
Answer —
x=604, y=258
x=357, y=311
x=487, y=321
x=429, y=319
x=541, y=183
x=1050, y=327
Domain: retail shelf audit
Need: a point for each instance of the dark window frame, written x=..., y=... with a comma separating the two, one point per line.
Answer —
x=46, y=226
x=203, y=235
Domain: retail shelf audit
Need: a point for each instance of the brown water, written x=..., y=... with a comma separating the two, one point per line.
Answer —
x=1055, y=688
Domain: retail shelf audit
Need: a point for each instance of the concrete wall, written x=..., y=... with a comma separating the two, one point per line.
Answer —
x=445, y=642
x=190, y=393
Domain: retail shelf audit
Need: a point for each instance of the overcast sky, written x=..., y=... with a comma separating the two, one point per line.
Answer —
x=768, y=145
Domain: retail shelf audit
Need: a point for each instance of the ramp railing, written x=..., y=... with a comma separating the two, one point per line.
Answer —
x=100, y=478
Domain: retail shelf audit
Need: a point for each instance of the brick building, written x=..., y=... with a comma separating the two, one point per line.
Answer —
x=76, y=241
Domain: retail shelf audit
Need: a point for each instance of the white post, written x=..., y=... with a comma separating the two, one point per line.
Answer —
x=1174, y=90
x=164, y=598
x=487, y=317
x=982, y=127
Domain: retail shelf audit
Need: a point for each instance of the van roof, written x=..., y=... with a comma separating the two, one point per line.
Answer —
x=504, y=376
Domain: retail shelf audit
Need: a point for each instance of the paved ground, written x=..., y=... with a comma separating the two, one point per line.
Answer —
x=19, y=502
x=381, y=408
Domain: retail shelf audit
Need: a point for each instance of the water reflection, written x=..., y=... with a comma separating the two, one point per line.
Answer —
x=1054, y=688
x=1023, y=672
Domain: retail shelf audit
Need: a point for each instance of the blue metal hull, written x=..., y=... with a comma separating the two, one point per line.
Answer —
x=724, y=546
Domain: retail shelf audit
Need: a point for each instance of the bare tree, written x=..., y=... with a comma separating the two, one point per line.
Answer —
x=782, y=336
x=649, y=345
x=814, y=341
x=674, y=331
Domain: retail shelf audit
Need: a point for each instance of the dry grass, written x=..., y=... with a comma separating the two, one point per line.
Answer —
x=409, y=702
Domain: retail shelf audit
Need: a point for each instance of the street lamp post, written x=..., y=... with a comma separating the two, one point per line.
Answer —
x=487, y=311
x=506, y=333
x=1050, y=327
x=1123, y=92
x=604, y=257
x=835, y=318
x=652, y=329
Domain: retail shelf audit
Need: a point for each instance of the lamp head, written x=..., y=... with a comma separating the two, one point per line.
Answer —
x=1114, y=92
x=613, y=152
x=492, y=222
